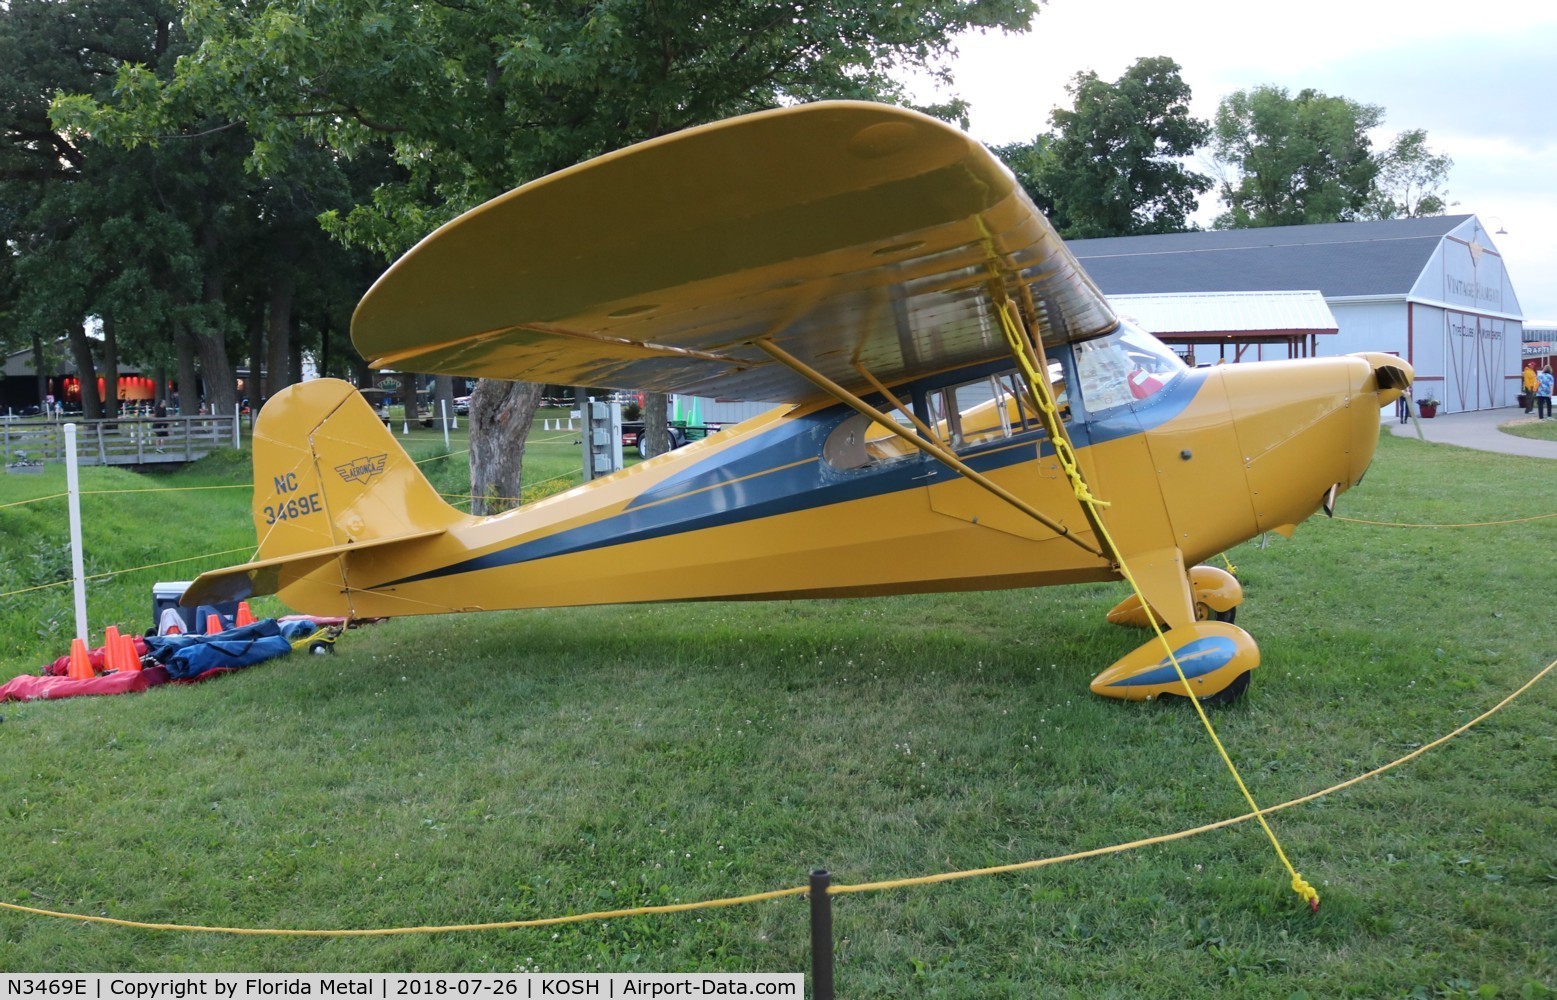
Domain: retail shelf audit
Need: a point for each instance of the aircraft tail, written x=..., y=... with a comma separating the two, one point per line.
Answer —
x=329, y=480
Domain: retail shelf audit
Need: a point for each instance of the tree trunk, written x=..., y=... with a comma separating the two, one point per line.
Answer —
x=254, y=385
x=221, y=390
x=110, y=366
x=40, y=368
x=188, y=377
x=86, y=371
x=443, y=399
x=500, y=418
x=656, y=438
x=278, y=363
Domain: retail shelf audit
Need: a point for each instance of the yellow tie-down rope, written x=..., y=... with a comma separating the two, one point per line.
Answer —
x=860, y=887
x=1027, y=350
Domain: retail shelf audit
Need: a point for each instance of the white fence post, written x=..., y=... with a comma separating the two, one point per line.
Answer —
x=77, y=568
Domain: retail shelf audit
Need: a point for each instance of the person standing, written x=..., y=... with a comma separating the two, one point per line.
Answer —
x=1543, y=393
x=1531, y=383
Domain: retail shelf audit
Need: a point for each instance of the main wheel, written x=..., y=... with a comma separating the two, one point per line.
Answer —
x=1231, y=693
x=1206, y=613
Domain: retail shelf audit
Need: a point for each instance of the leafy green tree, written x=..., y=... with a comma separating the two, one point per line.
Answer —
x=1029, y=162
x=473, y=98
x=57, y=213
x=1294, y=160
x=1411, y=179
x=1115, y=166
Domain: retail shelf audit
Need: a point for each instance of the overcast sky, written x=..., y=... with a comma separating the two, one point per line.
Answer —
x=1481, y=78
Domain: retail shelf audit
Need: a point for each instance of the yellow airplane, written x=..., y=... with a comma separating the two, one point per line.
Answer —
x=952, y=394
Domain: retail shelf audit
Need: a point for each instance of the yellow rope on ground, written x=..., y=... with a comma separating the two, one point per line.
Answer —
x=171, y=489
x=862, y=887
x=1208, y=827
x=1025, y=349
x=501, y=925
x=19, y=503
x=1474, y=524
x=435, y=458
x=517, y=500
x=121, y=572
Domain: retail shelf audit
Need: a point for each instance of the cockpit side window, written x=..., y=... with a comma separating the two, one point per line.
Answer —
x=966, y=415
x=1127, y=366
x=989, y=409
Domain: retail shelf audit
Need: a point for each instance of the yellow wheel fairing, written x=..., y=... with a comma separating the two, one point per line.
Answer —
x=1216, y=592
x=1212, y=656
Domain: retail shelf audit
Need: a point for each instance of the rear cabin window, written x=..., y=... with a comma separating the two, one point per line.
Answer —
x=859, y=442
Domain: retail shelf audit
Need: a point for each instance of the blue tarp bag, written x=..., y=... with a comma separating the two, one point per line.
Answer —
x=189, y=656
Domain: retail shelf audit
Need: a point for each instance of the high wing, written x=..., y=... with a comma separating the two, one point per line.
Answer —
x=849, y=233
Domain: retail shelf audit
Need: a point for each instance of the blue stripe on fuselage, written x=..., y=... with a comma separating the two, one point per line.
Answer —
x=780, y=471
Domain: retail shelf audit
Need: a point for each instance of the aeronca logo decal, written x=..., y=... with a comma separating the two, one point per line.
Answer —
x=361, y=470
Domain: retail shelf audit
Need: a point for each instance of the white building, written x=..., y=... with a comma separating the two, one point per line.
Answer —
x=1432, y=290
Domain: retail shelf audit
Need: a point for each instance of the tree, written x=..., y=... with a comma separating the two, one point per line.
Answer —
x=1114, y=166
x=63, y=192
x=1294, y=160
x=476, y=97
x=1028, y=161
x=1411, y=179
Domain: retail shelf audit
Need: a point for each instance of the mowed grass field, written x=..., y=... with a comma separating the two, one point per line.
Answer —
x=527, y=765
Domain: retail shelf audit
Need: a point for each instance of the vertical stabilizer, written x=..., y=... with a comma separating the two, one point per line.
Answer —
x=327, y=472
x=331, y=485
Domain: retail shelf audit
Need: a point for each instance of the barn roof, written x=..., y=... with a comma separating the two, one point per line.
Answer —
x=1338, y=259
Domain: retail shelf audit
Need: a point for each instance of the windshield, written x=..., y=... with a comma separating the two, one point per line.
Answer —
x=1126, y=366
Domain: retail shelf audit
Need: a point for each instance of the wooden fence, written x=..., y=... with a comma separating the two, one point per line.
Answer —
x=127, y=441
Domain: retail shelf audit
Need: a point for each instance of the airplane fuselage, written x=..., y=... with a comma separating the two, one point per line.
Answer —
x=770, y=509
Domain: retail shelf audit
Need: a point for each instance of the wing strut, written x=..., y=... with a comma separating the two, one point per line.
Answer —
x=1028, y=352
x=923, y=442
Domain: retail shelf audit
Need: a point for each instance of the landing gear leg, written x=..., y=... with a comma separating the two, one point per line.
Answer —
x=1196, y=609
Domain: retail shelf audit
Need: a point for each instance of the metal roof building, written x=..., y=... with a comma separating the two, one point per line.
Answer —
x=1224, y=325
x=1432, y=290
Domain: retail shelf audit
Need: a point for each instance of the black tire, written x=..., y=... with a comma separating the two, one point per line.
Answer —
x=1231, y=692
x=323, y=649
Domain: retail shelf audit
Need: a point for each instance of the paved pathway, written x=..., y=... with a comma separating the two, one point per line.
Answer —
x=1474, y=429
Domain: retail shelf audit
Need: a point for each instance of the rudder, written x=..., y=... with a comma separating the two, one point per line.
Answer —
x=327, y=472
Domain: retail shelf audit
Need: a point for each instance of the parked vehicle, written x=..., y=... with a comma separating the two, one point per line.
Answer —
x=632, y=436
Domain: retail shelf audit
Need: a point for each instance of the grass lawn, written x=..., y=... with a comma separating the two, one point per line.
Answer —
x=1531, y=427
x=533, y=764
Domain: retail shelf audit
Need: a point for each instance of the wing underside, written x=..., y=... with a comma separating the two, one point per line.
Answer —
x=849, y=234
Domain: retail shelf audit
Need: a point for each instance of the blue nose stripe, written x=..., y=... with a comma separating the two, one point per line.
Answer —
x=1197, y=658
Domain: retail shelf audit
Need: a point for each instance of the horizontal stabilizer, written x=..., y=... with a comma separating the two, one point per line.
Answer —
x=266, y=576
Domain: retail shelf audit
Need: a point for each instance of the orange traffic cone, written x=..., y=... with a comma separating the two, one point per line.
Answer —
x=245, y=616
x=80, y=663
x=111, y=648
x=129, y=659
x=213, y=624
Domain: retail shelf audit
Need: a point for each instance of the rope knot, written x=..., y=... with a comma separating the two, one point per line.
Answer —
x=1307, y=891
